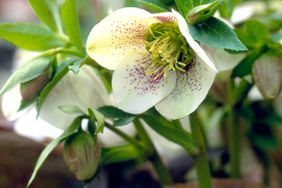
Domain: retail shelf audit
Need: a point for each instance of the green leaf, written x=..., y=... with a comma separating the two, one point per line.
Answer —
x=254, y=34
x=118, y=116
x=71, y=23
x=113, y=112
x=216, y=34
x=171, y=132
x=227, y=7
x=61, y=71
x=123, y=121
x=30, y=36
x=202, y=13
x=52, y=145
x=184, y=6
x=245, y=66
x=27, y=72
x=42, y=9
x=97, y=117
x=120, y=154
x=151, y=6
x=71, y=109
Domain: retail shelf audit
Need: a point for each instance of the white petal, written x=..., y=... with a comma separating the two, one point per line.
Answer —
x=191, y=89
x=121, y=33
x=183, y=27
x=68, y=92
x=134, y=92
x=223, y=60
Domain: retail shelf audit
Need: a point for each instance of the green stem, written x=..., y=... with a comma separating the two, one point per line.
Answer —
x=202, y=163
x=233, y=130
x=124, y=136
x=155, y=158
x=233, y=143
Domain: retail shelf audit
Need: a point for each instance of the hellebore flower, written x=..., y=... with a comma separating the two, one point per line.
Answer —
x=155, y=60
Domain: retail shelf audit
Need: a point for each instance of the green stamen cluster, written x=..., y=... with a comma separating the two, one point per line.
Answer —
x=169, y=50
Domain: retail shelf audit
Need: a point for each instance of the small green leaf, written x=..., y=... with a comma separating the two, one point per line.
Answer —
x=76, y=67
x=202, y=13
x=171, y=132
x=123, y=121
x=118, y=116
x=30, y=36
x=120, y=154
x=113, y=112
x=52, y=145
x=27, y=72
x=97, y=117
x=184, y=6
x=216, y=34
x=71, y=109
x=61, y=71
x=71, y=23
x=245, y=66
x=44, y=13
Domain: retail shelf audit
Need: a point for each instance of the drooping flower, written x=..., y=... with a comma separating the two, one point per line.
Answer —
x=155, y=60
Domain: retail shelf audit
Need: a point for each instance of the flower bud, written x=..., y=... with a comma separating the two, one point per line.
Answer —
x=82, y=155
x=31, y=89
x=267, y=73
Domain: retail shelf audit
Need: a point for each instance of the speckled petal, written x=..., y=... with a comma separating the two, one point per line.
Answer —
x=121, y=33
x=183, y=27
x=134, y=92
x=191, y=89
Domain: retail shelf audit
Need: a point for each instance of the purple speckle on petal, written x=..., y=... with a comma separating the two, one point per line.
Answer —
x=142, y=83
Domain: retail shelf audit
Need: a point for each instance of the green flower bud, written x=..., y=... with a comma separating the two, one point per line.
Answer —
x=267, y=73
x=82, y=155
x=31, y=89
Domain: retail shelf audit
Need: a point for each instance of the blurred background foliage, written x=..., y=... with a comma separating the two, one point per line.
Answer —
x=258, y=117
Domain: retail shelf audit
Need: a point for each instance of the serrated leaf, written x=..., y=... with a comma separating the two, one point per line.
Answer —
x=71, y=109
x=52, y=145
x=96, y=116
x=27, y=72
x=184, y=6
x=120, y=154
x=216, y=34
x=61, y=71
x=71, y=23
x=175, y=134
x=202, y=13
x=43, y=11
x=30, y=36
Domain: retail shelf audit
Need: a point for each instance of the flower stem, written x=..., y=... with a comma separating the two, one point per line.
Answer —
x=161, y=170
x=233, y=133
x=233, y=143
x=124, y=136
x=202, y=164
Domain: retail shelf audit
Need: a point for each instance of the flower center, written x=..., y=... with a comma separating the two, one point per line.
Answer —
x=169, y=50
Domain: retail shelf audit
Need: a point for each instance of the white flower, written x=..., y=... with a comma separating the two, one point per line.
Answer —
x=84, y=90
x=155, y=60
